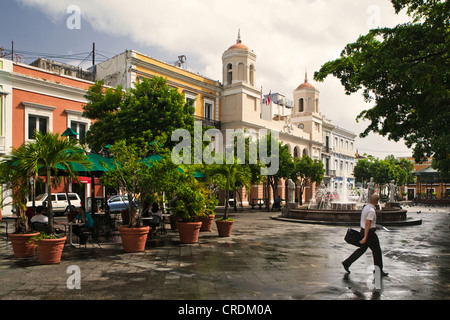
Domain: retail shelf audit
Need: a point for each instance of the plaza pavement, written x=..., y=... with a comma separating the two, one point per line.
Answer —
x=264, y=259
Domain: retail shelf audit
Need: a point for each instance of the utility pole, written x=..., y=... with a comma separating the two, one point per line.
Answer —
x=93, y=53
x=93, y=61
x=12, y=50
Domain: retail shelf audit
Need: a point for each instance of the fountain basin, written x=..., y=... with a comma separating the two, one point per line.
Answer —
x=387, y=216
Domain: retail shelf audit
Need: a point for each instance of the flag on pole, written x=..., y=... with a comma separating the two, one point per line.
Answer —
x=261, y=98
x=268, y=98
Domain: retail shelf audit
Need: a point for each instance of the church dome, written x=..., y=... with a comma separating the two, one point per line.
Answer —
x=305, y=84
x=239, y=44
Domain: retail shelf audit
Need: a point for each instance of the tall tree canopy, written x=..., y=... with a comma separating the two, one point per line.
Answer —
x=404, y=71
x=138, y=115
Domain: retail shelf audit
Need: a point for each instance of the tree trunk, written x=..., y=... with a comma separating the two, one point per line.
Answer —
x=49, y=200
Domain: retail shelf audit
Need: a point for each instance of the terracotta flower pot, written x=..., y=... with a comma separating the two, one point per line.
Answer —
x=21, y=247
x=133, y=239
x=224, y=228
x=189, y=231
x=49, y=251
x=207, y=222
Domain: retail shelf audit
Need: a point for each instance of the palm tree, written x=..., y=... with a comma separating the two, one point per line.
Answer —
x=229, y=177
x=50, y=153
x=14, y=180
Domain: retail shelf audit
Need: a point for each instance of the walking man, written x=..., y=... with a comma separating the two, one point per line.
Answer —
x=369, y=237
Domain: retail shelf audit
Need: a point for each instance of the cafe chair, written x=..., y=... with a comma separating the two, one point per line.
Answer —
x=41, y=227
x=90, y=236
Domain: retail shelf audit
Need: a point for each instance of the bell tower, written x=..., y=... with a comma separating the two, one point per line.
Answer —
x=306, y=98
x=240, y=96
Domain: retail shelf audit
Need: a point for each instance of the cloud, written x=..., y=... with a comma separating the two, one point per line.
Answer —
x=288, y=36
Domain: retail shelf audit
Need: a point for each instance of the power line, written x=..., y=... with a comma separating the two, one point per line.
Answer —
x=33, y=55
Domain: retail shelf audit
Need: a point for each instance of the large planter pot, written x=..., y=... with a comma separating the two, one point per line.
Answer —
x=49, y=251
x=224, y=227
x=207, y=222
x=133, y=239
x=189, y=231
x=22, y=248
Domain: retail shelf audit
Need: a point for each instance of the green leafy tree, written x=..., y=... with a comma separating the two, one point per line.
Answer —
x=285, y=162
x=306, y=169
x=137, y=115
x=404, y=72
x=384, y=171
x=139, y=175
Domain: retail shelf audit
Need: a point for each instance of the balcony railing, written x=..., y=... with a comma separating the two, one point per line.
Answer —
x=209, y=122
x=330, y=173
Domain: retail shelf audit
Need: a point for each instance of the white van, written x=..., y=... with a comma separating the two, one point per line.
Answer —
x=59, y=201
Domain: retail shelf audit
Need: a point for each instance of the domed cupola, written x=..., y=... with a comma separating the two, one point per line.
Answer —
x=239, y=64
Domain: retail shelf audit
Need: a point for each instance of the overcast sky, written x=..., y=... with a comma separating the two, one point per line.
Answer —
x=289, y=37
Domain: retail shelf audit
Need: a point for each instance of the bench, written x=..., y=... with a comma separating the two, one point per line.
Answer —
x=259, y=202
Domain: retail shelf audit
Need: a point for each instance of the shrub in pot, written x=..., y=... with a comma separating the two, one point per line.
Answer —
x=189, y=203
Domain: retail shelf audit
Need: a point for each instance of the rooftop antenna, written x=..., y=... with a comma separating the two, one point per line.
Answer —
x=181, y=61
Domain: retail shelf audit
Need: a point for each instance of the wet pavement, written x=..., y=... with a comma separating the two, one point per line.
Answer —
x=264, y=259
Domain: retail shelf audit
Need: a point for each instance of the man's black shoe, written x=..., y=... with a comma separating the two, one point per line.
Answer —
x=346, y=267
x=384, y=274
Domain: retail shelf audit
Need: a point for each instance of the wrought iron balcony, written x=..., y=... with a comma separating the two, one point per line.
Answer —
x=206, y=122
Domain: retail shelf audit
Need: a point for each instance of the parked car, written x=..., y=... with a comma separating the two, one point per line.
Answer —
x=59, y=201
x=117, y=203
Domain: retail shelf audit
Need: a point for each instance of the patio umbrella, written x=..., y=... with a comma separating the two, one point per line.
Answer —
x=69, y=133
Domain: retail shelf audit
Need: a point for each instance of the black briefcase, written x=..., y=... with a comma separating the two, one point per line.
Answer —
x=353, y=237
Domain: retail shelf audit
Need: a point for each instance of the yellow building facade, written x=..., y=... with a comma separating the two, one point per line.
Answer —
x=130, y=66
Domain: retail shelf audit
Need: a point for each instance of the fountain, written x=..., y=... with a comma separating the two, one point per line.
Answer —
x=344, y=206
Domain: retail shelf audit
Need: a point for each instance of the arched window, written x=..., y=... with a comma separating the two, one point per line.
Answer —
x=229, y=73
x=252, y=75
x=301, y=105
x=296, y=152
x=305, y=152
x=317, y=105
x=241, y=72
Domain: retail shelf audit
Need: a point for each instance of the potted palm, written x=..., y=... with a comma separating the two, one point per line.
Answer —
x=50, y=153
x=229, y=177
x=14, y=180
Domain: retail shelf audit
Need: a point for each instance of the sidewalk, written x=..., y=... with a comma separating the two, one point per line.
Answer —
x=264, y=259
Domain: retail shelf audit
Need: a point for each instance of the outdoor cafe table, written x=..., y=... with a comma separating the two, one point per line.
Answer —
x=71, y=224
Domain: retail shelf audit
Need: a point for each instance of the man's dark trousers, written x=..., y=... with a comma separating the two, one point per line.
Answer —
x=374, y=244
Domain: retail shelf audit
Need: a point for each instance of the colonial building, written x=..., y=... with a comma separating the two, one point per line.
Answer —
x=130, y=66
x=429, y=185
x=47, y=98
x=300, y=124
